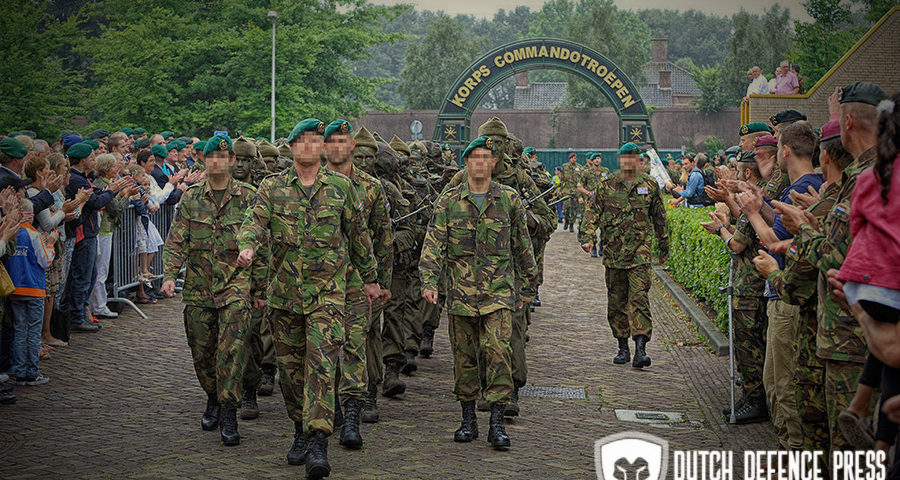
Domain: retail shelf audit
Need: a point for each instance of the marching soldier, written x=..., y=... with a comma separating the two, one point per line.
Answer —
x=627, y=209
x=312, y=216
x=569, y=181
x=587, y=185
x=478, y=234
x=216, y=295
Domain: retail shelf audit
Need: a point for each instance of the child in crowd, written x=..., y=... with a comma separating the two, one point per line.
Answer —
x=147, y=236
x=27, y=268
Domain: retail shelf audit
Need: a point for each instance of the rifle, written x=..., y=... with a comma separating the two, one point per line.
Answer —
x=425, y=203
x=558, y=200
x=531, y=201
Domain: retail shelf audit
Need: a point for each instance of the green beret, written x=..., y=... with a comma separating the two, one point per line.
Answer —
x=481, y=142
x=166, y=134
x=79, y=150
x=93, y=143
x=260, y=139
x=180, y=145
x=14, y=134
x=494, y=126
x=183, y=139
x=862, y=92
x=525, y=151
x=365, y=139
x=13, y=147
x=309, y=125
x=786, y=116
x=446, y=146
x=630, y=149
x=266, y=149
x=199, y=145
x=754, y=127
x=140, y=131
x=244, y=147
x=399, y=145
x=65, y=133
x=160, y=150
x=340, y=126
x=99, y=133
x=747, y=157
x=142, y=143
x=171, y=146
x=217, y=143
x=127, y=131
x=29, y=133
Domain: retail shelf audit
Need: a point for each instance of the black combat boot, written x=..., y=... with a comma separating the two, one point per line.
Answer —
x=370, y=407
x=468, y=428
x=317, y=455
x=752, y=411
x=572, y=227
x=297, y=454
x=641, y=359
x=512, y=408
x=229, y=426
x=566, y=225
x=594, y=251
x=624, y=354
x=210, y=419
x=268, y=381
x=737, y=406
x=497, y=433
x=411, y=365
x=249, y=408
x=350, y=436
x=537, y=299
x=426, y=347
x=392, y=386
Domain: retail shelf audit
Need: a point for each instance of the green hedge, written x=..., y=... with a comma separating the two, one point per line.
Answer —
x=698, y=260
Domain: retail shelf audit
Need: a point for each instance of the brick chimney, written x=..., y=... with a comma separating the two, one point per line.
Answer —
x=522, y=79
x=659, y=48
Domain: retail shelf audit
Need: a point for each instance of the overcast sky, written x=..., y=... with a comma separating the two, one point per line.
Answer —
x=481, y=8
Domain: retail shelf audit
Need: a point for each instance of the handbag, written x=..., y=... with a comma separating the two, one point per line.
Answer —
x=6, y=283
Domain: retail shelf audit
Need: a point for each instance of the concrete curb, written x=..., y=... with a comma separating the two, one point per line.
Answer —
x=716, y=339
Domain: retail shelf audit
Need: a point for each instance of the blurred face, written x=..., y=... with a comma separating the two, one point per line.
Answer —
x=480, y=162
x=241, y=168
x=339, y=146
x=218, y=163
x=746, y=143
x=687, y=165
x=27, y=214
x=629, y=163
x=172, y=157
x=572, y=160
x=307, y=148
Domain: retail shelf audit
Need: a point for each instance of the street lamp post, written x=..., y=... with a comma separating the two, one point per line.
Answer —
x=274, y=16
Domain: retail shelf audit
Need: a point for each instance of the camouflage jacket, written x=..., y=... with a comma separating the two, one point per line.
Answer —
x=590, y=178
x=840, y=337
x=204, y=238
x=627, y=217
x=569, y=178
x=316, y=232
x=799, y=284
x=376, y=215
x=482, y=252
x=748, y=282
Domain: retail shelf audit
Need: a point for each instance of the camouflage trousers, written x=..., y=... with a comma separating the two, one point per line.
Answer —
x=809, y=383
x=374, y=367
x=517, y=346
x=307, y=348
x=841, y=382
x=413, y=319
x=486, y=336
x=352, y=373
x=260, y=351
x=750, y=322
x=539, y=261
x=397, y=331
x=629, y=307
x=216, y=339
x=778, y=372
x=570, y=208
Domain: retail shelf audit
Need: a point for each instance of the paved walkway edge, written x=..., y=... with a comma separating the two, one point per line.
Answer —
x=716, y=339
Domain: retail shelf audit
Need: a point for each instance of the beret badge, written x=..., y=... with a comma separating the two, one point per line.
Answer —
x=320, y=127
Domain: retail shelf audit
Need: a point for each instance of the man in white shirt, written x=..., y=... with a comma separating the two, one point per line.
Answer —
x=758, y=83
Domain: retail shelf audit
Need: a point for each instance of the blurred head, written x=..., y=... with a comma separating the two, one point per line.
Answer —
x=339, y=146
x=307, y=148
x=480, y=162
x=219, y=162
x=241, y=168
x=104, y=165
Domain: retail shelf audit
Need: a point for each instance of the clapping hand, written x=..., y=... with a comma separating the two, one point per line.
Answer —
x=792, y=217
x=804, y=200
x=765, y=263
x=83, y=195
x=750, y=201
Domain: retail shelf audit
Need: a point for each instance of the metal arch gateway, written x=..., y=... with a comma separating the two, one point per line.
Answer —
x=453, y=125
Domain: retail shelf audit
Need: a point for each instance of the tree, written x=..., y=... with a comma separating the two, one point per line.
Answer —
x=432, y=63
x=691, y=34
x=39, y=92
x=713, y=144
x=713, y=97
x=821, y=43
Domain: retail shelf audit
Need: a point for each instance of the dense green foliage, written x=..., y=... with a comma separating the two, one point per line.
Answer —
x=698, y=260
x=821, y=43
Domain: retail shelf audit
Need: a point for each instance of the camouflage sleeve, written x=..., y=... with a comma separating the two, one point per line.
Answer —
x=259, y=274
x=658, y=217
x=434, y=249
x=522, y=250
x=382, y=237
x=256, y=219
x=590, y=219
x=545, y=219
x=177, y=241
x=356, y=233
x=827, y=251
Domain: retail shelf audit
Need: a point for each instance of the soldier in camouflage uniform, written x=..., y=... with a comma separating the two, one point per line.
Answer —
x=478, y=234
x=285, y=158
x=840, y=342
x=590, y=178
x=352, y=371
x=216, y=295
x=543, y=181
x=571, y=172
x=627, y=208
x=312, y=216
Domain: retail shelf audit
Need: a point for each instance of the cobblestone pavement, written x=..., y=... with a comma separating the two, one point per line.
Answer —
x=124, y=402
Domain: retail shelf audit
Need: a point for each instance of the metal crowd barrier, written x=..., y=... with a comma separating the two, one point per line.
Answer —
x=125, y=263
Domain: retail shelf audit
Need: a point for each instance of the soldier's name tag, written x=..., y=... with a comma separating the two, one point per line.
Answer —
x=643, y=190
